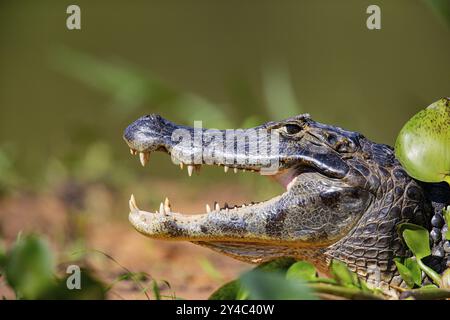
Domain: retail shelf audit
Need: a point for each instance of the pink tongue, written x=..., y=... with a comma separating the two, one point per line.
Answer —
x=284, y=177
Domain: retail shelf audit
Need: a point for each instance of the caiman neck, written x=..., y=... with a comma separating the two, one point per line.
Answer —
x=370, y=248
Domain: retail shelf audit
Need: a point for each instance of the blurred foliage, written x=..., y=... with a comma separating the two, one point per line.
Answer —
x=267, y=57
x=273, y=286
x=210, y=270
x=287, y=279
x=88, y=159
x=279, y=93
x=130, y=89
x=9, y=174
x=441, y=8
x=233, y=290
x=301, y=270
x=91, y=160
x=29, y=268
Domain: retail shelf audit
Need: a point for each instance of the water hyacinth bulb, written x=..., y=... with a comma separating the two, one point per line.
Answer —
x=423, y=144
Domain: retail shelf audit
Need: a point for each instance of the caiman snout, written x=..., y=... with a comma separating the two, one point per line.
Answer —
x=250, y=149
x=147, y=134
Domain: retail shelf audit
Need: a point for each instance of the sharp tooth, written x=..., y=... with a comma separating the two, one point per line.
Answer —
x=225, y=168
x=216, y=206
x=161, y=208
x=190, y=169
x=208, y=209
x=235, y=170
x=181, y=165
x=167, y=205
x=132, y=203
x=243, y=170
x=143, y=157
x=133, y=152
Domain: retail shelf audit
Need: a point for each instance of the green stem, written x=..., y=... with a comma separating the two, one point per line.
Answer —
x=323, y=280
x=426, y=294
x=430, y=272
x=349, y=293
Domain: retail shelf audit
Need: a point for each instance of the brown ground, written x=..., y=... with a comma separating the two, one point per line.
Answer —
x=192, y=271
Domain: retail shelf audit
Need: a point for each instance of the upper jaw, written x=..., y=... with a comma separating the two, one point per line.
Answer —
x=193, y=147
x=154, y=133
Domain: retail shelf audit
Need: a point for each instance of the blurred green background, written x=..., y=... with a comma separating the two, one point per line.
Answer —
x=66, y=97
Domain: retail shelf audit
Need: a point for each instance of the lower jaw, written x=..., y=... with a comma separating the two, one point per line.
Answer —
x=257, y=253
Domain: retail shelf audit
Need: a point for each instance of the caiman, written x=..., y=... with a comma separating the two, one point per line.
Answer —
x=345, y=199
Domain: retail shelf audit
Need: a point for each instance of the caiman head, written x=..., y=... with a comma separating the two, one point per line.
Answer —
x=345, y=195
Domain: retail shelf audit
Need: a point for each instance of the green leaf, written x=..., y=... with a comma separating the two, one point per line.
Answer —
x=30, y=267
x=274, y=286
x=430, y=272
x=364, y=287
x=243, y=294
x=405, y=273
x=91, y=289
x=429, y=286
x=229, y=291
x=233, y=289
x=341, y=273
x=301, y=270
x=281, y=265
x=418, y=242
x=422, y=144
x=414, y=268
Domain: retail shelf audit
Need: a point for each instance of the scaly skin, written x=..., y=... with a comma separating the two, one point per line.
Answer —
x=345, y=197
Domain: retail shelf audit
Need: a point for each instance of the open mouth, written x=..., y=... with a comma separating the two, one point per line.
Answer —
x=316, y=209
x=286, y=178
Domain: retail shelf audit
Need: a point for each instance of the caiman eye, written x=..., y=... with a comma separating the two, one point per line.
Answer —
x=292, y=128
x=345, y=146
